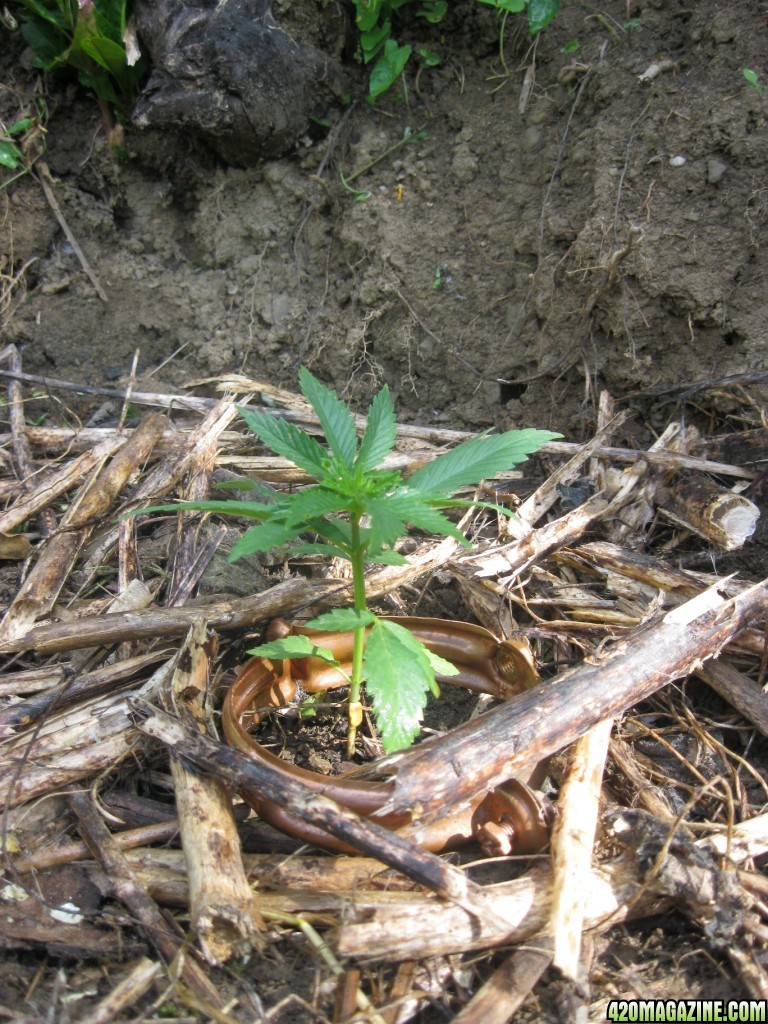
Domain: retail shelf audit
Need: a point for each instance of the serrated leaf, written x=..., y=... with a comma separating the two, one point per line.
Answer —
x=386, y=525
x=262, y=538
x=478, y=459
x=342, y=620
x=398, y=679
x=298, y=646
x=335, y=418
x=226, y=507
x=337, y=531
x=380, y=432
x=313, y=503
x=413, y=508
x=440, y=666
x=287, y=440
x=385, y=556
x=246, y=484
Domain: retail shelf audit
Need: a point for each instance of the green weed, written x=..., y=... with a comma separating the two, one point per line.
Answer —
x=753, y=81
x=358, y=511
x=87, y=37
x=375, y=19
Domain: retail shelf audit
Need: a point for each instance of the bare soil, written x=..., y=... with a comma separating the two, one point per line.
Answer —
x=553, y=225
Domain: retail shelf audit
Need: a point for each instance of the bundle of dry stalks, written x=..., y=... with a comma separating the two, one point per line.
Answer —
x=113, y=665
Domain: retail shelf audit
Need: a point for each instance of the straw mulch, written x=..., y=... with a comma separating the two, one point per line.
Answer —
x=119, y=635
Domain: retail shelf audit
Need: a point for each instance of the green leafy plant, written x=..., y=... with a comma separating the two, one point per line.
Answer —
x=375, y=18
x=539, y=12
x=23, y=142
x=753, y=81
x=10, y=154
x=88, y=37
x=357, y=510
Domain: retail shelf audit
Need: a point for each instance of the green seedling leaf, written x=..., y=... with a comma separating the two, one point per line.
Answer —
x=440, y=667
x=385, y=556
x=387, y=68
x=429, y=58
x=262, y=538
x=313, y=503
x=298, y=646
x=110, y=19
x=572, y=46
x=380, y=432
x=398, y=678
x=244, y=509
x=478, y=459
x=390, y=514
x=753, y=80
x=371, y=42
x=287, y=440
x=540, y=13
x=342, y=620
x=19, y=126
x=433, y=11
x=513, y=6
x=367, y=15
x=335, y=418
x=245, y=484
x=10, y=155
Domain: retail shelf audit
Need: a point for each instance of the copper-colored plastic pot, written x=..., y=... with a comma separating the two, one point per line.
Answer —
x=486, y=665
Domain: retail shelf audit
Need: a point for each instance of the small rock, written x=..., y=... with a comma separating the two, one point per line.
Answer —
x=715, y=170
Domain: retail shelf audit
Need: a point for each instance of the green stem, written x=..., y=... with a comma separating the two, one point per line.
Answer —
x=357, y=558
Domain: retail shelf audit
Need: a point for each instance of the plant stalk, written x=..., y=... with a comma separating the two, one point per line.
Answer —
x=357, y=558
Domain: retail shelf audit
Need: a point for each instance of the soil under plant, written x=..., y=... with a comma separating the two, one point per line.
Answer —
x=568, y=220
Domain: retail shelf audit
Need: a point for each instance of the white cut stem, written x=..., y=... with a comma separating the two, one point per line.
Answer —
x=572, y=844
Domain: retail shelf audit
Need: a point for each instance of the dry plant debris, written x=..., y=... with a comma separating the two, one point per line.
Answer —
x=114, y=666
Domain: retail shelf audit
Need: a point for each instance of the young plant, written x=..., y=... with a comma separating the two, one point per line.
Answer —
x=357, y=510
x=753, y=81
x=374, y=19
x=87, y=36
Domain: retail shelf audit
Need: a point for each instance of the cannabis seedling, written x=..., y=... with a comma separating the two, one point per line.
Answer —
x=358, y=511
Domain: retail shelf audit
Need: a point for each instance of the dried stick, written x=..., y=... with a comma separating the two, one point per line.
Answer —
x=41, y=588
x=185, y=571
x=741, y=692
x=536, y=724
x=68, y=853
x=431, y=435
x=406, y=928
x=237, y=613
x=714, y=513
x=21, y=448
x=53, y=485
x=96, y=735
x=164, y=873
x=499, y=998
x=85, y=687
x=125, y=994
x=222, y=906
x=713, y=898
x=45, y=178
x=513, y=559
x=169, y=943
x=241, y=772
x=534, y=507
x=572, y=840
